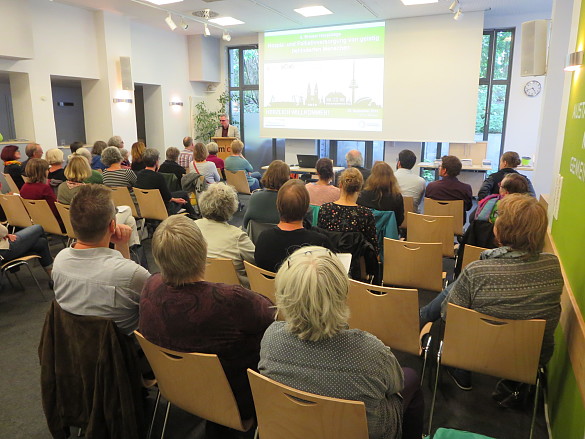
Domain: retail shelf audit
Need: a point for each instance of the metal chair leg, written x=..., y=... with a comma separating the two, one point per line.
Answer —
x=162, y=435
x=153, y=414
x=535, y=406
x=256, y=433
x=435, y=389
x=36, y=281
x=426, y=353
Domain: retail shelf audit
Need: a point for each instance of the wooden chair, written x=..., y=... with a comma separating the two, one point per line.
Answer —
x=151, y=204
x=503, y=348
x=261, y=281
x=426, y=228
x=408, y=203
x=284, y=412
x=41, y=213
x=413, y=264
x=65, y=215
x=470, y=254
x=447, y=208
x=23, y=260
x=195, y=383
x=16, y=213
x=238, y=180
x=391, y=314
x=221, y=270
x=11, y=184
x=121, y=197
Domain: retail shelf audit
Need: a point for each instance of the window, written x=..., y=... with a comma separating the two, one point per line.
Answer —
x=372, y=151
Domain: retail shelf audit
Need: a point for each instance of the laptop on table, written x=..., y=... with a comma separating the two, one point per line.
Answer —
x=307, y=160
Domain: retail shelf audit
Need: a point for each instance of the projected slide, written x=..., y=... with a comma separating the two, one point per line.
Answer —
x=324, y=78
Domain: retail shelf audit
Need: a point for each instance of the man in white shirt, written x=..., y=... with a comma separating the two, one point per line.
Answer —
x=411, y=185
x=90, y=278
x=186, y=156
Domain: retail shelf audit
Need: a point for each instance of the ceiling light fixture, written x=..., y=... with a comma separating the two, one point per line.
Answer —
x=184, y=25
x=206, y=31
x=454, y=6
x=574, y=61
x=418, y=2
x=163, y=2
x=170, y=22
x=226, y=21
x=458, y=15
x=226, y=36
x=313, y=11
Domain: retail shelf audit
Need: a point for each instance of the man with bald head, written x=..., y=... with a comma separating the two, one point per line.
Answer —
x=186, y=156
x=276, y=244
x=354, y=159
x=32, y=151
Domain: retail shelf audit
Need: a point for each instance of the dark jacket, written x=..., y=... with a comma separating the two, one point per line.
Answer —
x=89, y=377
x=480, y=234
x=15, y=170
x=491, y=185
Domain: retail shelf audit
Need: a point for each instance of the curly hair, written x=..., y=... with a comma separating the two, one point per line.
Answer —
x=351, y=181
x=219, y=202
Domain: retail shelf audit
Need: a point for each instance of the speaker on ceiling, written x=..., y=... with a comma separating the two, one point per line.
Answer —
x=126, y=73
x=534, y=48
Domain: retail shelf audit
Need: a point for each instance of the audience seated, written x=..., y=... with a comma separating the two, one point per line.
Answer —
x=512, y=183
x=96, y=151
x=411, y=185
x=212, y=149
x=354, y=159
x=125, y=159
x=114, y=175
x=345, y=215
x=116, y=141
x=323, y=191
x=276, y=244
x=37, y=187
x=449, y=187
x=181, y=311
x=313, y=351
x=186, y=156
x=217, y=205
x=32, y=151
x=137, y=153
x=56, y=172
x=381, y=191
x=96, y=176
x=509, y=161
x=148, y=178
x=262, y=205
x=237, y=162
x=90, y=278
x=514, y=281
x=10, y=156
x=170, y=165
x=75, y=146
x=201, y=166
x=24, y=242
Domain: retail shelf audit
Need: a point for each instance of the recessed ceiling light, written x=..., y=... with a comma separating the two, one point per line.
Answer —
x=313, y=11
x=418, y=2
x=163, y=2
x=226, y=21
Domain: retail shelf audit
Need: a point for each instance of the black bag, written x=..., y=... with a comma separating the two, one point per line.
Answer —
x=512, y=394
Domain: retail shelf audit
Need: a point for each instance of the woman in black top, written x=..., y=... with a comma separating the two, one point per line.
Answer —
x=382, y=192
x=10, y=155
x=137, y=152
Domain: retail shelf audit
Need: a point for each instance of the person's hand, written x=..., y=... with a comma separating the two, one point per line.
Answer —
x=121, y=235
x=11, y=238
x=178, y=200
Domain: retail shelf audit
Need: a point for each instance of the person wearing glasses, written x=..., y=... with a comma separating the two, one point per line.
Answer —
x=225, y=129
x=314, y=351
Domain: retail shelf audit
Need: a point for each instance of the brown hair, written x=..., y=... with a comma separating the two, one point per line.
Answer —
x=36, y=170
x=452, y=165
x=511, y=158
x=276, y=175
x=98, y=147
x=514, y=183
x=324, y=168
x=236, y=146
x=8, y=153
x=92, y=210
x=351, y=181
x=187, y=141
x=292, y=201
x=521, y=223
x=382, y=181
x=172, y=153
x=200, y=152
x=30, y=149
x=138, y=149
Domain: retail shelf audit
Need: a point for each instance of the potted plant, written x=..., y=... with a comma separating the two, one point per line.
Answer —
x=206, y=120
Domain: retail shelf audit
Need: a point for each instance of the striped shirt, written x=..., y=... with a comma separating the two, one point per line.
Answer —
x=119, y=177
x=185, y=158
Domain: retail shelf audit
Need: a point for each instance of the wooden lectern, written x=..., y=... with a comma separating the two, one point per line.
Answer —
x=224, y=146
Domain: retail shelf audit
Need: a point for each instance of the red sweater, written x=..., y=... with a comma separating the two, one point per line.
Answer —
x=41, y=191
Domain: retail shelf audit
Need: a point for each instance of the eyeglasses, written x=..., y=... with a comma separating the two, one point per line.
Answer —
x=309, y=252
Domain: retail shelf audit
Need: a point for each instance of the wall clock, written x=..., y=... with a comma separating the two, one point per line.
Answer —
x=532, y=88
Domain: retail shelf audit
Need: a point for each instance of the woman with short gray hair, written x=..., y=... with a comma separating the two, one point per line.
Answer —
x=217, y=205
x=313, y=351
x=114, y=175
x=213, y=149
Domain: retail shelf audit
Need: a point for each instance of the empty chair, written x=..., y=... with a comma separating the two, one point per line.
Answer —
x=413, y=264
x=261, y=281
x=11, y=184
x=16, y=213
x=41, y=214
x=221, y=270
x=121, y=197
x=238, y=180
x=427, y=228
x=284, y=412
x=447, y=208
x=408, y=207
x=503, y=348
x=63, y=210
x=151, y=204
x=195, y=383
x=24, y=260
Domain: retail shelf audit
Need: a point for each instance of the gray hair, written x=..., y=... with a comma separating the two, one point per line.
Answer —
x=124, y=152
x=212, y=147
x=354, y=158
x=224, y=115
x=83, y=152
x=115, y=141
x=172, y=153
x=180, y=250
x=219, y=202
x=111, y=155
x=150, y=157
x=311, y=292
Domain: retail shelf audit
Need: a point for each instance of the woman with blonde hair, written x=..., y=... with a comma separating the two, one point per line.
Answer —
x=382, y=192
x=56, y=173
x=314, y=351
x=137, y=153
x=201, y=166
x=345, y=215
x=96, y=176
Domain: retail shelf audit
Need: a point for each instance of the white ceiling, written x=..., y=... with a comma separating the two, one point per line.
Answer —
x=264, y=15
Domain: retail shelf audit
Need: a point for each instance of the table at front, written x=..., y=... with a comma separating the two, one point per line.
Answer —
x=299, y=170
x=473, y=175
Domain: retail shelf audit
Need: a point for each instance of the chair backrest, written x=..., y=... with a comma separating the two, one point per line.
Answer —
x=238, y=180
x=221, y=270
x=65, y=215
x=470, y=253
x=255, y=228
x=286, y=412
x=314, y=213
x=151, y=204
x=447, y=208
x=502, y=348
x=194, y=382
x=391, y=314
x=16, y=213
x=121, y=197
x=408, y=203
x=261, y=281
x=172, y=182
x=427, y=228
x=41, y=214
x=11, y=183
x=413, y=264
